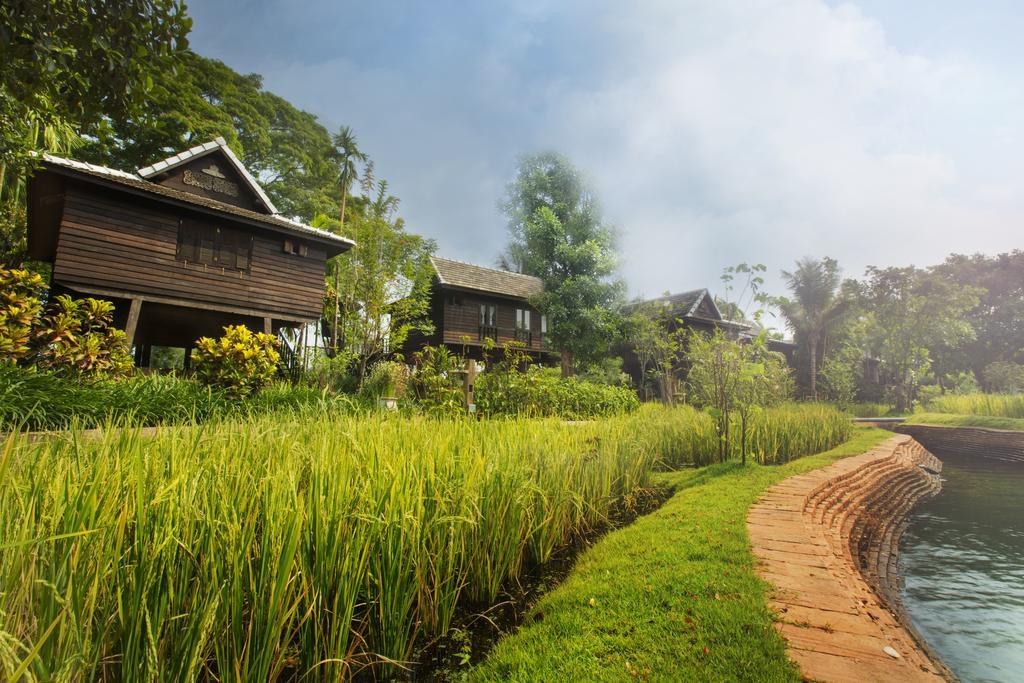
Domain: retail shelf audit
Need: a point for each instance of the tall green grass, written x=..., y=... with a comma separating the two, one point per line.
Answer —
x=262, y=549
x=313, y=548
x=991, y=405
x=775, y=435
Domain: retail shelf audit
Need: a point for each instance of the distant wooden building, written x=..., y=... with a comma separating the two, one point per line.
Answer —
x=694, y=310
x=471, y=303
x=182, y=247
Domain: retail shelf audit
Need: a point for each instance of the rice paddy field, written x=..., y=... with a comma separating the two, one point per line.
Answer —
x=314, y=549
x=989, y=405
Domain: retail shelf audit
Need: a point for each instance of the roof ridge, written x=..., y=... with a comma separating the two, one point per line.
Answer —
x=97, y=168
x=477, y=265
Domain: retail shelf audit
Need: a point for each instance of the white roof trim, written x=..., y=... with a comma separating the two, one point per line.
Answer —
x=437, y=270
x=696, y=303
x=115, y=173
x=201, y=150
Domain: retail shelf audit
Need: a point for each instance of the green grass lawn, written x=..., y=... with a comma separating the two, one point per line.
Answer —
x=672, y=597
x=950, y=420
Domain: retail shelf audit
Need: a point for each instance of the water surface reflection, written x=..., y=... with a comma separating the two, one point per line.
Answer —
x=962, y=558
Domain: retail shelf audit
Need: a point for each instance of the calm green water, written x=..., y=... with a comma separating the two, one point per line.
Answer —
x=962, y=558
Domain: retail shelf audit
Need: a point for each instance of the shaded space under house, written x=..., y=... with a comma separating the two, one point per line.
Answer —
x=182, y=248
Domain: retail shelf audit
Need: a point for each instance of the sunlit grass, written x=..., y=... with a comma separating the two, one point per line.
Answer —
x=992, y=405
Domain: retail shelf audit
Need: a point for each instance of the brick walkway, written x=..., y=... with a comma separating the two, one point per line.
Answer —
x=817, y=536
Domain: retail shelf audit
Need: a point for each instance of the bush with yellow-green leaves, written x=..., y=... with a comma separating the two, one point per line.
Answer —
x=241, y=361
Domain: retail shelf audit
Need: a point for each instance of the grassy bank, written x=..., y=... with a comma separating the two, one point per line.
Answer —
x=951, y=420
x=672, y=597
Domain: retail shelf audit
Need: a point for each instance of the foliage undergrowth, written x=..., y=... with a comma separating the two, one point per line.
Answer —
x=674, y=596
x=542, y=392
x=992, y=405
x=38, y=400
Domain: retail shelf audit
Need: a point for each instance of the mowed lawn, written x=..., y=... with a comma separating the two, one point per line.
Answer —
x=672, y=597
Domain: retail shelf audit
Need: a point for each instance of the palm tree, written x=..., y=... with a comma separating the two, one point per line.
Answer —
x=815, y=307
x=349, y=155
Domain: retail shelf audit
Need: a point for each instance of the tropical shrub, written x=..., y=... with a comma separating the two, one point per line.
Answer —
x=436, y=382
x=387, y=378
x=72, y=336
x=241, y=361
x=20, y=294
x=542, y=392
x=75, y=337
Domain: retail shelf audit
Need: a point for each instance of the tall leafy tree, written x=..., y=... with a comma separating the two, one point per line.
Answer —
x=288, y=150
x=72, y=62
x=997, y=320
x=814, y=309
x=557, y=233
x=911, y=311
x=387, y=278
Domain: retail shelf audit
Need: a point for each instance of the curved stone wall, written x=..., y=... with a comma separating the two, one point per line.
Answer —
x=827, y=542
x=990, y=443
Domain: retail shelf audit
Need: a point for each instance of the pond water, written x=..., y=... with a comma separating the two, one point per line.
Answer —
x=962, y=560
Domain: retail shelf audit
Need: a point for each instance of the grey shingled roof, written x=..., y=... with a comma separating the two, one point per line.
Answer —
x=135, y=182
x=178, y=159
x=684, y=303
x=469, y=276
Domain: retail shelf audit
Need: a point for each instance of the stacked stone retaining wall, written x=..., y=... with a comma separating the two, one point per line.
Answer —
x=990, y=443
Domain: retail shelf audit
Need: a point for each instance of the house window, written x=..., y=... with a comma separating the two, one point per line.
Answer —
x=295, y=248
x=543, y=324
x=488, y=315
x=213, y=245
x=523, y=319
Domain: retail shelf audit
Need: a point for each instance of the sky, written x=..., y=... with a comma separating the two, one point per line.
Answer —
x=715, y=132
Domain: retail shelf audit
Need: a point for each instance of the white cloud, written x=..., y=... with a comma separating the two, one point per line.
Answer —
x=766, y=130
x=717, y=131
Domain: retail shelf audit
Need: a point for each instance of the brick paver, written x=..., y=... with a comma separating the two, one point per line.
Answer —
x=808, y=535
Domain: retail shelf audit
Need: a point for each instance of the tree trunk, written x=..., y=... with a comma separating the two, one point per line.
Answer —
x=566, y=363
x=743, y=439
x=812, y=347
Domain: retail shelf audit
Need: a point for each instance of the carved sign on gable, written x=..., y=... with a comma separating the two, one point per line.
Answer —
x=210, y=179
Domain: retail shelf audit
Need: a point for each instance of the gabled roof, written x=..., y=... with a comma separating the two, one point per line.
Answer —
x=215, y=145
x=688, y=305
x=683, y=303
x=463, y=275
x=132, y=182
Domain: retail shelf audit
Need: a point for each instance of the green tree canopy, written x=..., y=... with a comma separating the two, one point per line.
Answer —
x=288, y=150
x=72, y=62
x=557, y=233
x=912, y=311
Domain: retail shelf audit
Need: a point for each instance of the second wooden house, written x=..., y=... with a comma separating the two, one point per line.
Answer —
x=471, y=304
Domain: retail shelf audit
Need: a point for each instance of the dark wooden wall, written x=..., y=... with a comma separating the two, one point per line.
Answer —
x=462, y=318
x=116, y=245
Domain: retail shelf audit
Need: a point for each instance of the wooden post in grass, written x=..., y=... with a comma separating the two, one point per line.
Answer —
x=468, y=380
x=133, y=321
